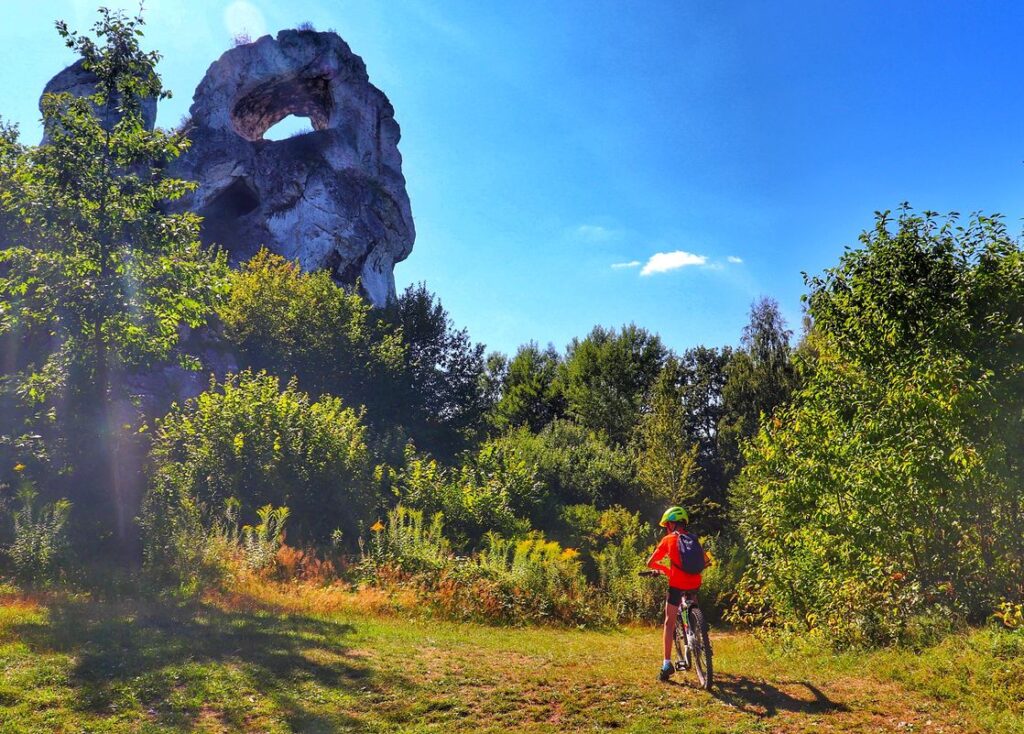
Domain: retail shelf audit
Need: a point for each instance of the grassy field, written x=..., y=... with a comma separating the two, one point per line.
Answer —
x=282, y=664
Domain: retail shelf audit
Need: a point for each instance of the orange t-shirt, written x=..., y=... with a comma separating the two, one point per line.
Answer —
x=677, y=577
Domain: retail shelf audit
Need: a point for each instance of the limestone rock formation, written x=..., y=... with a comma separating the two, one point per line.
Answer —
x=75, y=80
x=331, y=198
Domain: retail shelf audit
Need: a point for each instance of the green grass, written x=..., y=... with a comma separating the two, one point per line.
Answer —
x=71, y=664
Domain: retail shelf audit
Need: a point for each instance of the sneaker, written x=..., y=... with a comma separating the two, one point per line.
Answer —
x=666, y=672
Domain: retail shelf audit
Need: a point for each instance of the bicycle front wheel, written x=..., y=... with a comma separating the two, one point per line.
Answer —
x=700, y=645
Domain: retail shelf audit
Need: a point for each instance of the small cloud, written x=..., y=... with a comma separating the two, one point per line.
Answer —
x=623, y=266
x=242, y=18
x=735, y=260
x=593, y=233
x=662, y=262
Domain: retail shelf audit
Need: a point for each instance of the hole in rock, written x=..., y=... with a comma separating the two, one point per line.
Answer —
x=277, y=103
x=289, y=127
x=220, y=216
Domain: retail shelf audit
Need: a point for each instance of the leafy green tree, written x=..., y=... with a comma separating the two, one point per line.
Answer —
x=666, y=455
x=893, y=482
x=444, y=399
x=760, y=376
x=702, y=379
x=606, y=378
x=290, y=323
x=90, y=259
x=530, y=393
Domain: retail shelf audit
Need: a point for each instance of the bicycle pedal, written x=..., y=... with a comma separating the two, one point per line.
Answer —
x=680, y=665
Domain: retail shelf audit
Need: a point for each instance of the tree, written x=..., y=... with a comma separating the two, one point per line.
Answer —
x=606, y=378
x=299, y=324
x=444, y=400
x=530, y=393
x=703, y=376
x=893, y=481
x=759, y=377
x=666, y=455
x=90, y=260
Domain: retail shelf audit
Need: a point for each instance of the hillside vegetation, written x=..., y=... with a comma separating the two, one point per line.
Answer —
x=859, y=486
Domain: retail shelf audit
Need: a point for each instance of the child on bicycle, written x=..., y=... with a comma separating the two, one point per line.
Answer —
x=680, y=582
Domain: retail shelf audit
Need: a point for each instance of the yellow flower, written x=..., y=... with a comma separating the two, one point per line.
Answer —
x=19, y=467
x=569, y=553
x=377, y=526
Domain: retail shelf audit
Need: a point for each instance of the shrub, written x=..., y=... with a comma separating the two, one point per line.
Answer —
x=510, y=581
x=629, y=595
x=573, y=466
x=260, y=543
x=538, y=580
x=721, y=580
x=891, y=487
x=247, y=438
x=40, y=538
x=492, y=491
x=407, y=543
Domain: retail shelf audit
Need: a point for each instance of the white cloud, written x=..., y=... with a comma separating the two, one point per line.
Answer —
x=662, y=262
x=735, y=260
x=622, y=266
x=243, y=18
x=593, y=233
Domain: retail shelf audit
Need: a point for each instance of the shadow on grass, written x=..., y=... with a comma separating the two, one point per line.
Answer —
x=131, y=653
x=762, y=699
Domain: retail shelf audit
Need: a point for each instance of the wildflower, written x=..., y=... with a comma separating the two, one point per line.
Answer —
x=19, y=467
x=377, y=526
x=569, y=553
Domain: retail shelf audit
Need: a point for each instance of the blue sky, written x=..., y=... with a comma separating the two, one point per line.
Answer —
x=663, y=163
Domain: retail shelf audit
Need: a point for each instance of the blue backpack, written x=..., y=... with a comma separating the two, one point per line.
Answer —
x=690, y=553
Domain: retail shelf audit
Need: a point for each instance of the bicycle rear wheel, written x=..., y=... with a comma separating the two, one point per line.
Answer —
x=682, y=652
x=701, y=647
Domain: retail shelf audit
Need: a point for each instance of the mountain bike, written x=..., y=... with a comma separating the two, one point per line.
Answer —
x=693, y=645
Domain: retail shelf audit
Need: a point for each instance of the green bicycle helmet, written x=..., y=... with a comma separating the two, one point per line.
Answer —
x=674, y=514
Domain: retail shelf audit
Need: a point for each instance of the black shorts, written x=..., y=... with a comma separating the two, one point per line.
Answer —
x=675, y=596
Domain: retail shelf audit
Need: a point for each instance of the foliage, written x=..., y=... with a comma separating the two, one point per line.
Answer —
x=491, y=491
x=573, y=466
x=622, y=555
x=1011, y=615
x=96, y=276
x=406, y=543
x=606, y=376
x=666, y=457
x=702, y=381
x=288, y=322
x=39, y=544
x=536, y=580
x=892, y=486
x=760, y=376
x=722, y=580
x=530, y=394
x=260, y=543
x=442, y=401
x=247, y=438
